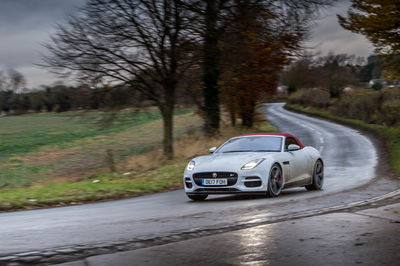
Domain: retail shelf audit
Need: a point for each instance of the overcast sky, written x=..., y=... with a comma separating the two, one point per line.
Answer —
x=26, y=24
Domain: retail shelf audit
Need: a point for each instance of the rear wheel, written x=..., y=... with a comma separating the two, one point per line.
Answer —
x=275, y=181
x=197, y=197
x=318, y=177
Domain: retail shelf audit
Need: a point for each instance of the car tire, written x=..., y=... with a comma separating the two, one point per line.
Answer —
x=197, y=197
x=275, y=181
x=318, y=176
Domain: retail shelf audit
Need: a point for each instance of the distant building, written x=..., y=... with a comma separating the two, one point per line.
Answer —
x=282, y=90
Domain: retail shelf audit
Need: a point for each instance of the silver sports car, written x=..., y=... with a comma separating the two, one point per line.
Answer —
x=263, y=163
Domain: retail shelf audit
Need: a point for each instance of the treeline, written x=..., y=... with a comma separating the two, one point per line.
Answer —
x=62, y=98
x=58, y=98
x=334, y=72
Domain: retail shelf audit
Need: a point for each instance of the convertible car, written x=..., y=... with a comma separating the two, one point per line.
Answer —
x=262, y=163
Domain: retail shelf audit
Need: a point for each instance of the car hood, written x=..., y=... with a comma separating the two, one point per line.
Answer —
x=227, y=161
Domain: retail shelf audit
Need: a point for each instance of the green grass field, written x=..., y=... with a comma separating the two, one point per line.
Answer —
x=25, y=133
x=38, y=148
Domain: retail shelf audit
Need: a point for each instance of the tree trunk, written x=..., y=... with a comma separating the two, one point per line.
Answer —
x=211, y=70
x=232, y=112
x=247, y=114
x=247, y=119
x=167, y=113
x=233, y=118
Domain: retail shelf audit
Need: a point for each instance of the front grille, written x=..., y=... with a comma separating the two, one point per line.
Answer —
x=230, y=176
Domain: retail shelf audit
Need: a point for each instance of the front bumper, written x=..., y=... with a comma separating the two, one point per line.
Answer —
x=247, y=182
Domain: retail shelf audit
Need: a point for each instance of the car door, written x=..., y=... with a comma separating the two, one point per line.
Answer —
x=296, y=160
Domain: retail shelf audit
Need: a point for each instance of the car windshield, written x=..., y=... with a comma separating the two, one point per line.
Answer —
x=252, y=144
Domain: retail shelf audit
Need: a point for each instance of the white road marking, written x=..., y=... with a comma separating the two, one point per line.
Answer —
x=321, y=139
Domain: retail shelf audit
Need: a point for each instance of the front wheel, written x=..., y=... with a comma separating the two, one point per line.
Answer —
x=197, y=197
x=318, y=177
x=275, y=181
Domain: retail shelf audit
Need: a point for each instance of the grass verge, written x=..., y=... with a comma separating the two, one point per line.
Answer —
x=389, y=135
x=98, y=187
x=141, y=174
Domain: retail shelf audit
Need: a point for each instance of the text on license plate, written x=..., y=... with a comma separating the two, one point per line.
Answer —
x=216, y=181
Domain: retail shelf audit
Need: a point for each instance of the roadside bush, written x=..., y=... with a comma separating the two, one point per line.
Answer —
x=314, y=97
x=390, y=109
x=361, y=105
x=377, y=107
x=391, y=93
x=391, y=112
x=374, y=107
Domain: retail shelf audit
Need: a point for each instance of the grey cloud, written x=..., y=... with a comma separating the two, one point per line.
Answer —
x=25, y=24
x=15, y=13
x=327, y=35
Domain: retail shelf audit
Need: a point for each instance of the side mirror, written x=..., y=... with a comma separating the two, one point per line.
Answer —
x=293, y=147
x=212, y=150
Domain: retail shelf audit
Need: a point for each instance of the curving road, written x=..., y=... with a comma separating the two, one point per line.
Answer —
x=350, y=160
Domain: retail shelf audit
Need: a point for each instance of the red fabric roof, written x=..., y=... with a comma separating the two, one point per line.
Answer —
x=275, y=134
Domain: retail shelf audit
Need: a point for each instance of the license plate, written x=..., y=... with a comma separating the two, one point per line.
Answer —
x=217, y=182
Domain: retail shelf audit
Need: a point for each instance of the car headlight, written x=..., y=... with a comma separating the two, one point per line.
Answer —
x=190, y=165
x=252, y=164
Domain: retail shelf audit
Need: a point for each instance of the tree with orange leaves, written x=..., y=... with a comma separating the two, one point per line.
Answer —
x=255, y=49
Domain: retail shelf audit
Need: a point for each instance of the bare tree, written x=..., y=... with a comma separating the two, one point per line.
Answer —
x=139, y=43
x=17, y=81
x=332, y=72
x=12, y=81
x=2, y=81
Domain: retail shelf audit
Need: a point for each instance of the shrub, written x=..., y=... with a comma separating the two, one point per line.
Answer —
x=314, y=97
x=391, y=112
x=391, y=93
x=361, y=105
x=377, y=86
x=377, y=107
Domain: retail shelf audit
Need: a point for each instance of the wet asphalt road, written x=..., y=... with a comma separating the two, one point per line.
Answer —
x=349, y=157
x=350, y=160
x=331, y=239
